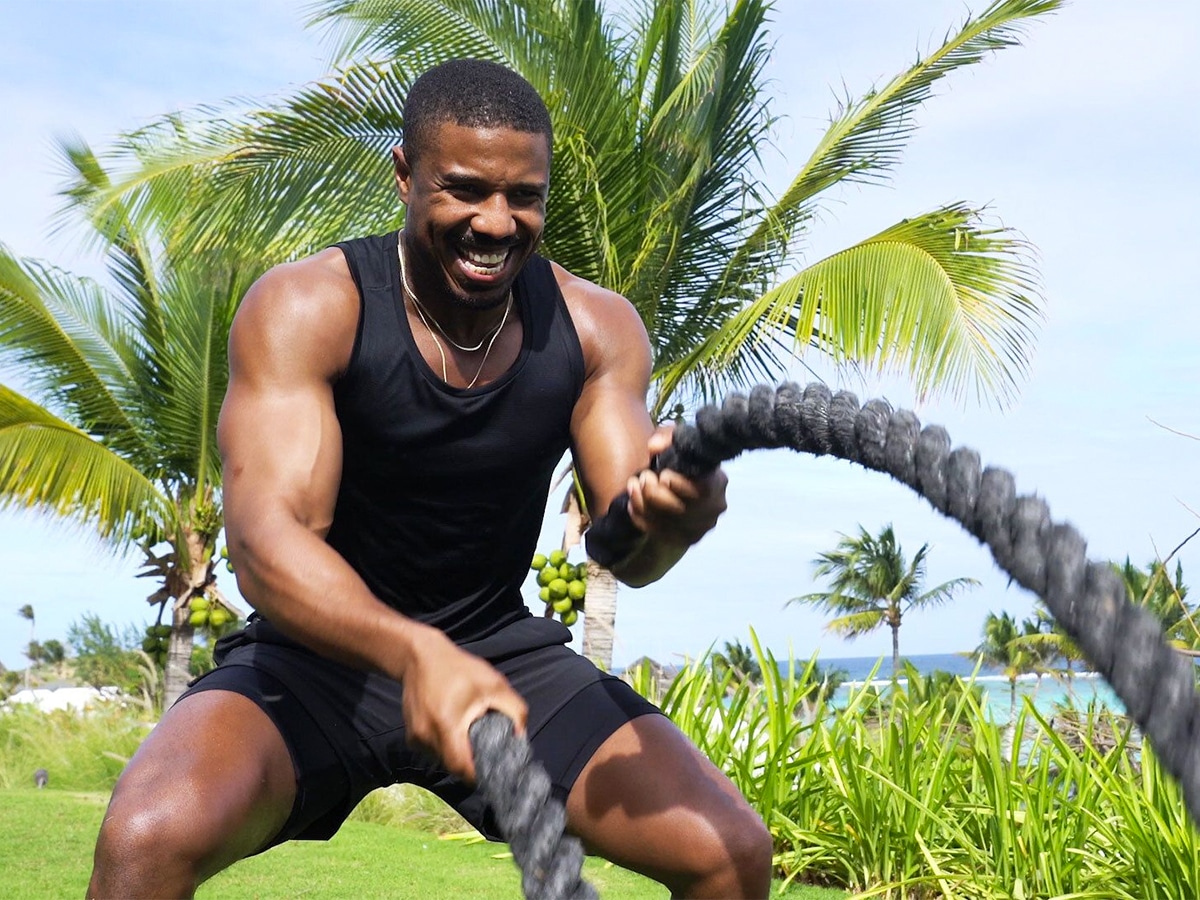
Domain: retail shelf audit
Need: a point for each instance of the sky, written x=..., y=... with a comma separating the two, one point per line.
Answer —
x=1081, y=139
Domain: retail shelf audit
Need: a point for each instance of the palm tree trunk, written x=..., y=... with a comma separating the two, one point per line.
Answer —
x=600, y=605
x=29, y=664
x=184, y=584
x=179, y=654
x=895, y=650
x=600, y=616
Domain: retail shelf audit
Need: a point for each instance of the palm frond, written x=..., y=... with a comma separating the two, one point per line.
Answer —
x=856, y=624
x=155, y=175
x=48, y=464
x=867, y=136
x=943, y=593
x=204, y=292
x=60, y=332
x=942, y=297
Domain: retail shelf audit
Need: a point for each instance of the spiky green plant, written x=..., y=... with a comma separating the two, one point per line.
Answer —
x=922, y=797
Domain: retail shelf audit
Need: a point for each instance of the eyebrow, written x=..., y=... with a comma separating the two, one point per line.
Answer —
x=459, y=179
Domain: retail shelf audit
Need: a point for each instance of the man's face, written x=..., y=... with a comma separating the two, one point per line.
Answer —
x=476, y=202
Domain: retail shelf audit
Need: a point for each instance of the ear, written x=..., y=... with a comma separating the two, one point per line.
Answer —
x=403, y=174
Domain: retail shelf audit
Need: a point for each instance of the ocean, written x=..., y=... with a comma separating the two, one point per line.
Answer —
x=1049, y=692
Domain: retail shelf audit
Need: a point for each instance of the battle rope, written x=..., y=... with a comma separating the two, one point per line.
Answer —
x=517, y=789
x=1123, y=642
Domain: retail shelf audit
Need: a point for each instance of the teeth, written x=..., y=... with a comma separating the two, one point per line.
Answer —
x=486, y=263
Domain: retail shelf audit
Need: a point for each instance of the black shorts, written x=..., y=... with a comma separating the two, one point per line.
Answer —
x=345, y=728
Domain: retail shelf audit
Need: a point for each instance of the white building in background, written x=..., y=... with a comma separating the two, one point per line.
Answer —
x=71, y=698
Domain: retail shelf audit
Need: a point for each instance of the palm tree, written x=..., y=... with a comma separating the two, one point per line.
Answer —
x=1002, y=648
x=873, y=584
x=1166, y=597
x=660, y=113
x=1043, y=636
x=1041, y=654
x=114, y=428
x=26, y=612
x=740, y=660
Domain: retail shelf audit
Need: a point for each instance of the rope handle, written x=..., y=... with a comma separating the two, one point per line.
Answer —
x=517, y=789
x=1123, y=642
x=613, y=536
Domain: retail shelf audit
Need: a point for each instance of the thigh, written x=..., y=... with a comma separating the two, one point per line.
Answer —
x=214, y=780
x=648, y=800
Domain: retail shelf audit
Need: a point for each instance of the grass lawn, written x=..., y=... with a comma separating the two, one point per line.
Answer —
x=47, y=852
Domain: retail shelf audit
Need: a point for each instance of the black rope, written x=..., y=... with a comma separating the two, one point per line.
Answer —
x=517, y=789
x=1124, y=642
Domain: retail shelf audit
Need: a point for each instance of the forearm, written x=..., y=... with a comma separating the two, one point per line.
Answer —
x=312, y=594
x=671, y=513
x=649, y=561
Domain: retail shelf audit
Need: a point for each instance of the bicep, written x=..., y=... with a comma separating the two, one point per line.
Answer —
x=281, y=452
x=278, y=432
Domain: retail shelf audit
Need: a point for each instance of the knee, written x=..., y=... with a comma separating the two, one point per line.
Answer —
x=143, y=841
x=734, y=859
x=751, y=852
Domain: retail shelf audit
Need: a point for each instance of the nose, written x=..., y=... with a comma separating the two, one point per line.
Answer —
x=494, y=219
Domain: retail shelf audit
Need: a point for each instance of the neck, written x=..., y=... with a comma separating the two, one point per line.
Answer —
x=471, y=332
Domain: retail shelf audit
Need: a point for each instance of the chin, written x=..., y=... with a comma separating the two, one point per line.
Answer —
x=480, y=302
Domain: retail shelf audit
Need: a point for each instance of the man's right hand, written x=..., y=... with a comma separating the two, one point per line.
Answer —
x=445, y=690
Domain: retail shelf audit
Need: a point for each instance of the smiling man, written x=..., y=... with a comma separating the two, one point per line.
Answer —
x=396, y=408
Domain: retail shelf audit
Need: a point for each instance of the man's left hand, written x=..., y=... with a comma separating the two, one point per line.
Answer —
x=671, y=508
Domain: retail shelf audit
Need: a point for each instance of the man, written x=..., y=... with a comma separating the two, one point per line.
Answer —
x=395, y=411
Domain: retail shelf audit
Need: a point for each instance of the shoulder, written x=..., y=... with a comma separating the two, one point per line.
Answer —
x=300, y=312
x=608, y=325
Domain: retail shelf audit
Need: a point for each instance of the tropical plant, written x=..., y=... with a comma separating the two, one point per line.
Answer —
x=874, y=584
x=922, y=798
x=927, y=688
x=1165, y=596
x=1054, y=651
x=739, y=661
x=1002, y=647
x=53, y=653
x=661, y=112
x=105, y=656
x=114, y=430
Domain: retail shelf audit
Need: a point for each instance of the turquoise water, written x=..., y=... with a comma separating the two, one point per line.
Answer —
x=1047, y=694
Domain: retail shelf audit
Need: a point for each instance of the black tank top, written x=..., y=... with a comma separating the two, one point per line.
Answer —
x=443, y=489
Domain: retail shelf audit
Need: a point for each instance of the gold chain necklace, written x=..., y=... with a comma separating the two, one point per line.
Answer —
x=437, y=343
x=412, y=295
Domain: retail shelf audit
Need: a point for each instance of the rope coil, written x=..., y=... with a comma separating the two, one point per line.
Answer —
x=1124, y=643
x=533, y=822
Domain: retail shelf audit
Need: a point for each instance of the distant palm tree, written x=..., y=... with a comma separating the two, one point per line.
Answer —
x=1002, y=648
x=1045, y=638
x=740, y=660
x=925, y=688
x=1041, y=653
x=54, y=654
x=26, y=612
x=873, y=585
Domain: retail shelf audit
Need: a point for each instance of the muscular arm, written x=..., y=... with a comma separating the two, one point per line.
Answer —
x=613, y=437
x=281, y=447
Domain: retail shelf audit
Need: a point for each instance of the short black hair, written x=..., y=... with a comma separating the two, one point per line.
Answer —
x=474, y=93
